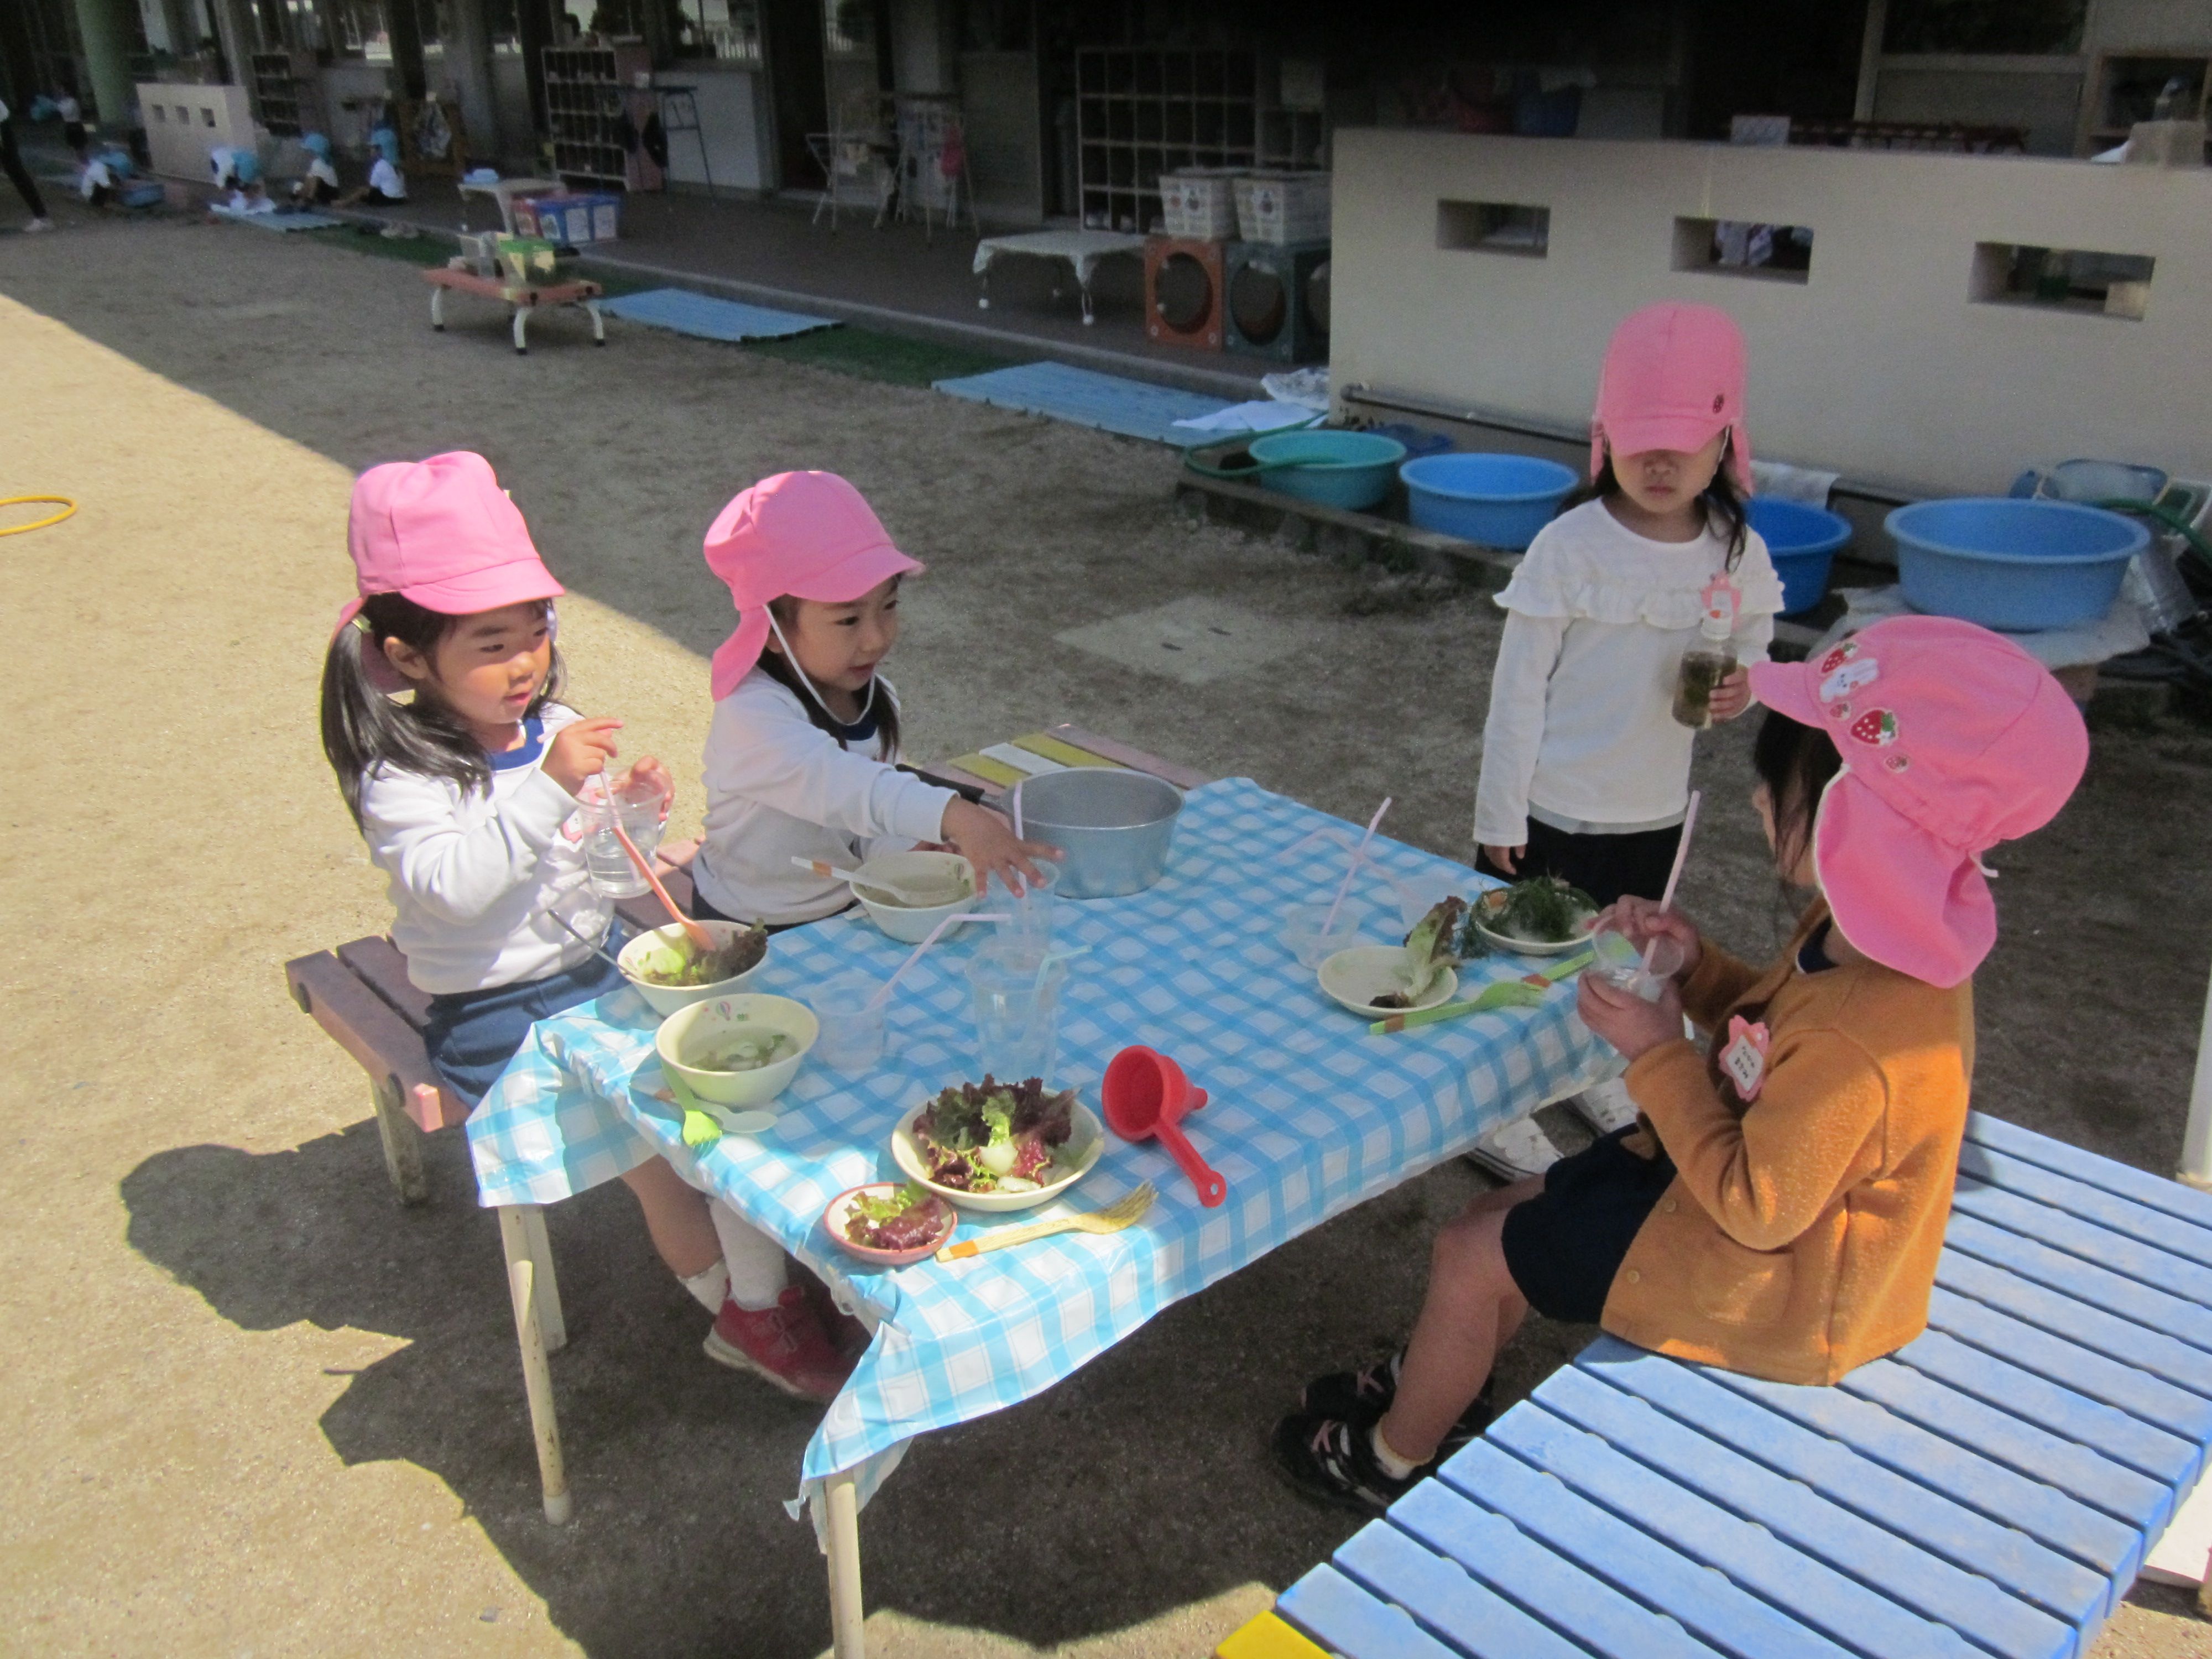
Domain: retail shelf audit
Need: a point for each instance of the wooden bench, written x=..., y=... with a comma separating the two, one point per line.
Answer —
x=1992, y=1489
x=523, y=297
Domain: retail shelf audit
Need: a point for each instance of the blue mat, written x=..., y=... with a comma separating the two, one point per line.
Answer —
x=278, y=221
x=1134, y=408
x=682, y=312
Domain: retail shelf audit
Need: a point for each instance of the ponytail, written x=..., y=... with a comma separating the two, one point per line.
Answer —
x=365, y=728
x=1725, y=513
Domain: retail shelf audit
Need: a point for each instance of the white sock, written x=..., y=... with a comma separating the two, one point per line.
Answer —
x=754, y=1261
x=1396, y=1467
x=710, y=1287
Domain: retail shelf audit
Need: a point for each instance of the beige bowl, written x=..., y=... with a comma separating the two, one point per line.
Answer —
x=693, y=1034
x=667, y=999
x=904, y=922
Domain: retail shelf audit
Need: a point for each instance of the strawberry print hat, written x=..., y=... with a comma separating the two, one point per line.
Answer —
x=1953, y=740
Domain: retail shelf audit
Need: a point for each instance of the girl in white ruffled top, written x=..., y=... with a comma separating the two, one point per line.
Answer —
x=1585, y=771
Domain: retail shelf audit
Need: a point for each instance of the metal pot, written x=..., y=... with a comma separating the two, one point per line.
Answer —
x=1115, y=825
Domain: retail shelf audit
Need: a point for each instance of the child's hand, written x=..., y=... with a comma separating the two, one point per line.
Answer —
x=1641, y=920
x=647, y=776
x=1624, y=1020
x=1732, y=696
x=579, y=750
x=988, y=842
x=1506, y=858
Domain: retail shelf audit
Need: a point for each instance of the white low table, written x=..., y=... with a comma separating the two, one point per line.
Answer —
x=504, y=191
x=1079, y=250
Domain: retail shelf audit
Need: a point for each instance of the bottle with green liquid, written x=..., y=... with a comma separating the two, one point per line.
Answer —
x=1712, y=660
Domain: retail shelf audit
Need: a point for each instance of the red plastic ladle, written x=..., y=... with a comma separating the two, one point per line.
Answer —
x=1146, y=1094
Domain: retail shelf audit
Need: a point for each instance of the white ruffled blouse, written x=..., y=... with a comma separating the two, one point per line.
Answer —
x=1581, y=733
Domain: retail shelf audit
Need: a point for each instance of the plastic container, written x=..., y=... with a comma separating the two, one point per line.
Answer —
x=1499, y=500
x=1116, y=827
x=614, y=874
x=1199, y=203
x=576, y=221
x=852, y=1021
x=665, y=999
x=1016, y=992
x=693, y=1034
x=1031, y=914
x=1347, y=469
x=1283, y=207
x=1301, y=934
x=1802, y=541
x=1619, y=963
x=2102, y=481
x=2003, y=563
x=910, y=924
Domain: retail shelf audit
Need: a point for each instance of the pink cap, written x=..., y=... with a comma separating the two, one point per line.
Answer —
x=808, y=535
x=1953, y=740
x=1674, y=376
x=442, y=533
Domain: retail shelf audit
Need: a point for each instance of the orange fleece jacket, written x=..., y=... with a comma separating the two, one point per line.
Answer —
x=1800, y=1235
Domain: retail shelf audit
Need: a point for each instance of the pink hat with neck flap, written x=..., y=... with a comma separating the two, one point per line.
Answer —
x=1953, y=740
x=804, y=535
x=1674, y=378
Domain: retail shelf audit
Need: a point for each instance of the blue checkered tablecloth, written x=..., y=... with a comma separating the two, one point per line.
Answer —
x=1308, y=1114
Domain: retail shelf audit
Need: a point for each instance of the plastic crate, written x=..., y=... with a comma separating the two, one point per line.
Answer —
x=576, y=221
x=1199, y=203
x=1282, y=207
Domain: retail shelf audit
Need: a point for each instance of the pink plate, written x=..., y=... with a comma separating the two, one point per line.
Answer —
x=833, y=1221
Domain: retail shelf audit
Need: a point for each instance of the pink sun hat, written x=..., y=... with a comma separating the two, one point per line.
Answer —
x=1673, y=377
x=442, y=533
x=806, y=535
x=1953, y=740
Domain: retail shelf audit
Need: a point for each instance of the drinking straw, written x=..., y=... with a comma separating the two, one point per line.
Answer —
x=1673, y=876
x=1357, y=853
x=700, y=938
x=877, y=1001
x=1018, y=782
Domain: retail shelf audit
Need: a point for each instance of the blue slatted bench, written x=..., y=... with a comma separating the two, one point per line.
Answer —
x=1987, y=1492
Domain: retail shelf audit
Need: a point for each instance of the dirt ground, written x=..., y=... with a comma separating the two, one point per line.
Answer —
x=252, y=1408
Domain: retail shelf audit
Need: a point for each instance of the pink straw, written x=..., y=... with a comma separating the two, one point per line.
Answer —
x=1673, y=876
x=877, y=1001
x=1357, y=853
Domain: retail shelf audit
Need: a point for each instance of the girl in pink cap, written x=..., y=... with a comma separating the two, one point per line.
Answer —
x=1779, y=1206
x=1585, y=768
x=466, y=793
x=800, y=753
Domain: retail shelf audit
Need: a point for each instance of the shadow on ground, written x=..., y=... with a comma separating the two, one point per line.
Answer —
x=1069, y=1516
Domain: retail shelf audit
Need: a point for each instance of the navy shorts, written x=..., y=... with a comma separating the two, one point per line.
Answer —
x=1563, y=1246
x=471, y=1035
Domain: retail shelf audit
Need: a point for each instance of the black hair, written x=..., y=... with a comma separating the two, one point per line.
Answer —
x=1796, y=763
x=365, y=728
x=780, y=669
x=1724, y=505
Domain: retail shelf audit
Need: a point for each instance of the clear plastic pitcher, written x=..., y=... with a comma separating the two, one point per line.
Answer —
x=1017, y=999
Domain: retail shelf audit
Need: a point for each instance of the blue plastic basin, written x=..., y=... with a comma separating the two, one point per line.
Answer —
x=1802, y=541
x=2014, y=564
x=1350, y=469
x=1500, y=500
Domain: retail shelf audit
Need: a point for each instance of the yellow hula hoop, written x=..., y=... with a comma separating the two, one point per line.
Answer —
x=66, y=505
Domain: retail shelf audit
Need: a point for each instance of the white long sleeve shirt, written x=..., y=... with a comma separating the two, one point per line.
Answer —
x=477, y=877
x=780, y=787
x=1581, y=733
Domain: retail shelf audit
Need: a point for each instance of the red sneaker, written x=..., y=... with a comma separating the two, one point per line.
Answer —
x=847, y=1335
x=785, y=1344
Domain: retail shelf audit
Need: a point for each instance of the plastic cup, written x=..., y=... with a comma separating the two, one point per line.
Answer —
x=1301, y=934
x=1031, y=913
x=1621, y=963
x=853, y=1024
x=1016, y=992
x=1419, y=895
x=613, y=874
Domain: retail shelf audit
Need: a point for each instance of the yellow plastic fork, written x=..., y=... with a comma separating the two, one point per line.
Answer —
x=1111, y=1220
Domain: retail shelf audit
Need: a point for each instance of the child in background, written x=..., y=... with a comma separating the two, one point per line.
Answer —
x=252, y=195
x=1585, y=770
x=320, y=187
x=1780, y=1211
x=466, y=794
x=73, y=132
x=386, y=185
x=799, y=755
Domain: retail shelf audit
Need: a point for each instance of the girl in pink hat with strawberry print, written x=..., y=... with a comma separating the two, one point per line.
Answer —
x=1778, y=1206
x=463, y=770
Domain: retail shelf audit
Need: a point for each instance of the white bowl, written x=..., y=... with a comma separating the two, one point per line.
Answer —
x=1522, y=947
x=904, y=922
x=667, y=999
x=696, y=1029
x=1356, y=977
x=1085, y=1142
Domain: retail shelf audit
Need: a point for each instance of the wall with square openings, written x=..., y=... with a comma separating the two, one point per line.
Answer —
x=1945, y=320
x=184, y=123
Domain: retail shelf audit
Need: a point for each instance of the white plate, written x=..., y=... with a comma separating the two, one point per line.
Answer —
x=1084, y=1145
x=1356, y=976
x=1522, y=947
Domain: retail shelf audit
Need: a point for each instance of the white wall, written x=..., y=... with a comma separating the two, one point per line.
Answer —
x=732, y=115
x=1880, y=365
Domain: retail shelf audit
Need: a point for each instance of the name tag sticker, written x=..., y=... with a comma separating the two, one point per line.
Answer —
x=1744, y=1060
